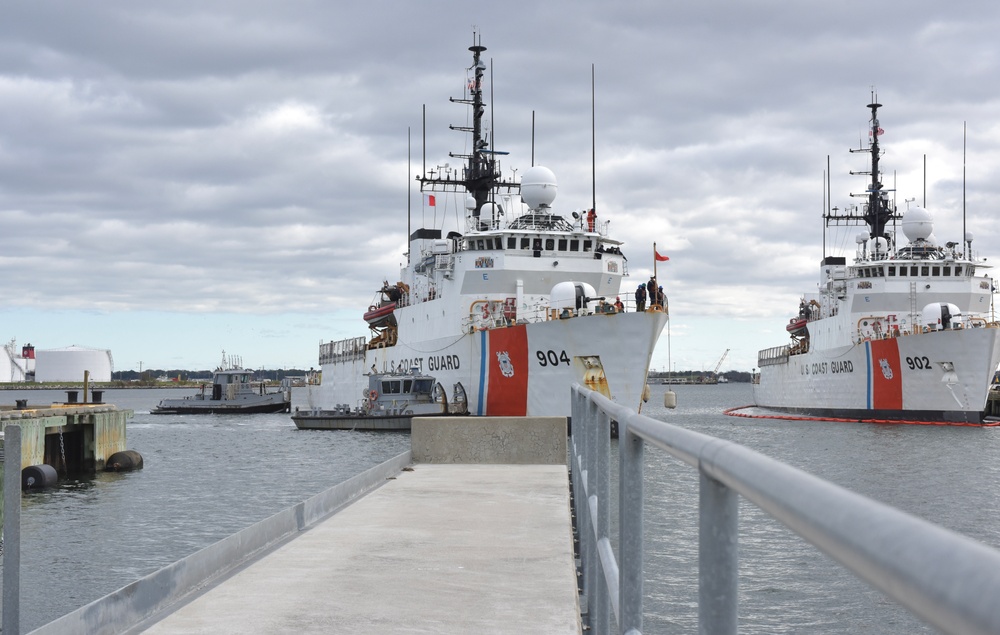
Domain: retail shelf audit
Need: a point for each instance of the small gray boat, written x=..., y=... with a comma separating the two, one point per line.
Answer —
x=233, y=392
x=390, y=403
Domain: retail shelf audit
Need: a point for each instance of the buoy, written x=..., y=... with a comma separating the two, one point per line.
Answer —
x=124, y=461
x=38, y=477
x=645, y=393
x=670, y=399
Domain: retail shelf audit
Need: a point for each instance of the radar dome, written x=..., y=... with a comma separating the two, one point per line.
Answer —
x=862, y=237
x=879, y=246
x=917, y=224
x=538, y=187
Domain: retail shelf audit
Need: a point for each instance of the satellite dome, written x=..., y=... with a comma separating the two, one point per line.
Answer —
x=538, y=187
x=879, y=246
x=470, y=203
x=917, y=224
x=862, y=237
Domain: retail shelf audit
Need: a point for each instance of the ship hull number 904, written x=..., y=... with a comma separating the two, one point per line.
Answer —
x=551, y=358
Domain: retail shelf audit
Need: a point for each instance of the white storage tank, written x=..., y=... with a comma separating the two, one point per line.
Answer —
x=68, y=364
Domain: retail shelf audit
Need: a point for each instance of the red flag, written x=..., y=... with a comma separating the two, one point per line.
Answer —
x=660, y=258
x=430, y=200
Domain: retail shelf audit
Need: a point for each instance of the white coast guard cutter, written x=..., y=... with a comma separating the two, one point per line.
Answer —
x=509, y=311
x=903, y=332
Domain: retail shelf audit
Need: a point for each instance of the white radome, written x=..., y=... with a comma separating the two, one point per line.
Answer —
x=917, y=224
x=538, y=187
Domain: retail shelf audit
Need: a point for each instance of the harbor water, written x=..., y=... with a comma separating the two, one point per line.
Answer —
x=208, y=476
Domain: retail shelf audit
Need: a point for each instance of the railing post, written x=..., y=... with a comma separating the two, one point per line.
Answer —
x=579, y=498
x=576, y=460
x=12, y=530
x=630, y=494
x=718, y=559
x=600, y=610
x=591, y=570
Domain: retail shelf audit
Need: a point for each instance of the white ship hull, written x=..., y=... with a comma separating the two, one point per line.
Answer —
x=522, y=370
x=931, y=376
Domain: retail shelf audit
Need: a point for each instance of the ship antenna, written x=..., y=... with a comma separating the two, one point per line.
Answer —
x=424, y=139
x=593, y=142
x=826, y=202
x=965, y=236
x=532, y=138
x=409, y=193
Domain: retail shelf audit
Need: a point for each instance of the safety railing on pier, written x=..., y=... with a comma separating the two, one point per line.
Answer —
x=946, y=579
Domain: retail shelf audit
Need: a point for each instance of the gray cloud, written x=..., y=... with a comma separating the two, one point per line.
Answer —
x=251, y=157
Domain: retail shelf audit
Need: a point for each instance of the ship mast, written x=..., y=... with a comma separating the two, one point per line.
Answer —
x=481, y=178
x=878, y=211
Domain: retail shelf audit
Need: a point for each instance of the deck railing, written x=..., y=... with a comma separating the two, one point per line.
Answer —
x=950, y=581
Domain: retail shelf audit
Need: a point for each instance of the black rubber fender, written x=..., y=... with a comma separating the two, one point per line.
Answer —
x=41, y=476
x=124, y=461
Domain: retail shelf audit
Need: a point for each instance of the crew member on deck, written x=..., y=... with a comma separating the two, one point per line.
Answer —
x=640, y=297
x=591, y=219
x=618, y=304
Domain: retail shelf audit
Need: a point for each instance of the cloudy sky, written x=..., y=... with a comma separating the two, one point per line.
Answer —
x=185, y=177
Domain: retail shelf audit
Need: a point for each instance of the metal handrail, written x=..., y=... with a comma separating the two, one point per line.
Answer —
x=943, y=577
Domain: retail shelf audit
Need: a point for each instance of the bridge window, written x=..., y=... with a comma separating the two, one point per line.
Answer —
x=925, y=270
x=588, y=245
x=390, y=387
x=902, y=271
x=946, y=271
x=550, y=244
x=574, y=245
x=892, y=272
x=935, y=271
x=913, y=271
x=525, y=243
x=562, y=244
x=511, y=242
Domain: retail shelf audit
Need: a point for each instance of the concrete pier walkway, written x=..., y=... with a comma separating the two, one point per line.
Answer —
x=441, y=549
x=474, y=547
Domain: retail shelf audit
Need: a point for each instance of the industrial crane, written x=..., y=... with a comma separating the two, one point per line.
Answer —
x=719, y=365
